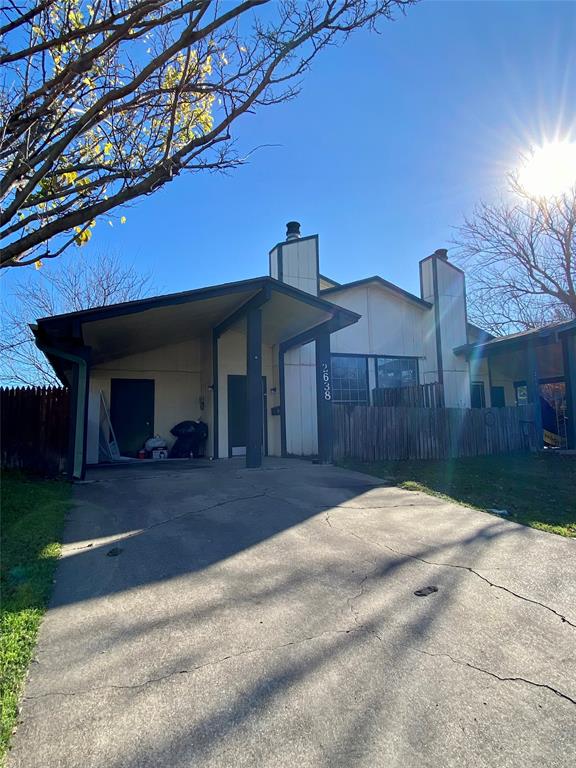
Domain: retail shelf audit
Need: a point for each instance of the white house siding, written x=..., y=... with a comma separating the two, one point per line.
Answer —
x=450, y=313
x=452, y=306
x=181, y=379
x=429, y=368
x=299, y=260
x=389, y=324
x=300, y=401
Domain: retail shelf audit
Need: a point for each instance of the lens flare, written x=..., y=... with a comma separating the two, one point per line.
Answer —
x=549, y=170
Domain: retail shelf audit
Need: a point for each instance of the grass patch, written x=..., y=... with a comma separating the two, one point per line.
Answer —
x=538, y=490
x=32, y=518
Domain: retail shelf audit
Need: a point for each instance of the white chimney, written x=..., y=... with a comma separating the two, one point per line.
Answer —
x=295, y=261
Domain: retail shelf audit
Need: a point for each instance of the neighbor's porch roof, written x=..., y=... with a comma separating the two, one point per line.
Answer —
x=549, y=334
x=138, y=326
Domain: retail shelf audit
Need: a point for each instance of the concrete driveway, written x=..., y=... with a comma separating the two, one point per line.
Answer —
x=218, y=616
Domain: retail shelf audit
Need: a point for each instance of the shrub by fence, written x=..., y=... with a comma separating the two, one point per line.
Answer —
x=34, y=428
x=374, y=433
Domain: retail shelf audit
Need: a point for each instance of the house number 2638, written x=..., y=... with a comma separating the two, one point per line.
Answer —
x=326, y=381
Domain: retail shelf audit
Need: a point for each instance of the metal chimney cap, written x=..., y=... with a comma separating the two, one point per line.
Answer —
x=442, y=253
x=293, y=230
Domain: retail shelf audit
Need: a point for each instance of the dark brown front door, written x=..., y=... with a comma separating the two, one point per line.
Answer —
x=132, y=413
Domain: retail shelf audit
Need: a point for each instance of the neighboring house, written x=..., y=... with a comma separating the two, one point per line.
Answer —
x=261, y=361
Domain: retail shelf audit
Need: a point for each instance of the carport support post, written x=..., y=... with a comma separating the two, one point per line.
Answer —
x=73, y=423
x=533, y=388
x=569, y=358
x=254, y=388
x=324, y=398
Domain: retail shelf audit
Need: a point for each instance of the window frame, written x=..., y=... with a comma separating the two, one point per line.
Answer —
x=481, y=384
x=396, y=357
x=501, y=388
x=366, y=358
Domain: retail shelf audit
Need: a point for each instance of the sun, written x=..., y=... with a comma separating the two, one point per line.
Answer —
x=549, y=170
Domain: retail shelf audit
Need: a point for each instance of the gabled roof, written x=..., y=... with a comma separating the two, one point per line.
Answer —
x=136, y=326
x=480, y=332
x=377, y=280
x=184, y=297
x=333, y=283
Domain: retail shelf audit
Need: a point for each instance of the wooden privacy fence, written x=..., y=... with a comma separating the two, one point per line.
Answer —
x=34, y=428
x=373, y=433
x=420, y=396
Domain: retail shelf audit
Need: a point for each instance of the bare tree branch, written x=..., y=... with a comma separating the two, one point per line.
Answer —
x=103, y=103
x=520, y=261
x=81, y=283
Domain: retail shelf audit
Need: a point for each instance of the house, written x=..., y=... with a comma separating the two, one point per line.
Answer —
x=261, y=361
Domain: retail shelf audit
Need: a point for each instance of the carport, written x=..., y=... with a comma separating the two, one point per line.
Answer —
x=526, y=367
x=207, y=335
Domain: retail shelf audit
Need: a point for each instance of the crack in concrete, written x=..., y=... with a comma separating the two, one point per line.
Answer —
x=355, y=614
x=211, y=663
x=140, y=531
x=483, y=578
x=514, y=679
x=455, y=565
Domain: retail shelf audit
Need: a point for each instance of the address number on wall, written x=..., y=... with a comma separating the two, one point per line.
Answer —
x=326, y=381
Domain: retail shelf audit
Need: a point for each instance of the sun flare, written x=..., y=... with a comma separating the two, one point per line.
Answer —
x=549, y=170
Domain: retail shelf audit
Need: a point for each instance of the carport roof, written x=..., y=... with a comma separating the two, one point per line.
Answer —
x=134, y=326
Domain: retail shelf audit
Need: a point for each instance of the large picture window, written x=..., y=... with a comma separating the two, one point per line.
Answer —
x=349, y=379
x=394, y=372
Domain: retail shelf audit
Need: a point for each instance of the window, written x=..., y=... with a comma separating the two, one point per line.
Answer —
x=521, y=390
x=477, y=395
x=349, y=379
x=394, y=372
x=497, y=397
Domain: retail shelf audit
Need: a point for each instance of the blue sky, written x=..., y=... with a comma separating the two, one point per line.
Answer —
x=392, y=140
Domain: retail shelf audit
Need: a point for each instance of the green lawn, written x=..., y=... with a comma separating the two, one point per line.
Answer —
x=32, y=517
x=537, y=490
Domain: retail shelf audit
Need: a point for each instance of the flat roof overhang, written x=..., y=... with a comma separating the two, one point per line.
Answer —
x=131, y=327
x=550, y=334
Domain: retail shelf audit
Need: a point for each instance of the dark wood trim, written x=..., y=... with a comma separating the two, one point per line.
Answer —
x=490, y=384
x=265, y=413
x=254, y=388
x=438, y=332
x=280, y=263
x=569, y=359
x=317, y=265
x=73, y=421
x=254, y=303
x=533, y=383
x=383, y=283
x=215, y=447
x=85, y=435
x=372, y=355
x=282, y=385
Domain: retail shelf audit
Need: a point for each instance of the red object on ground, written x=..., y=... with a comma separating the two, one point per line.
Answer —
x=142, y=454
